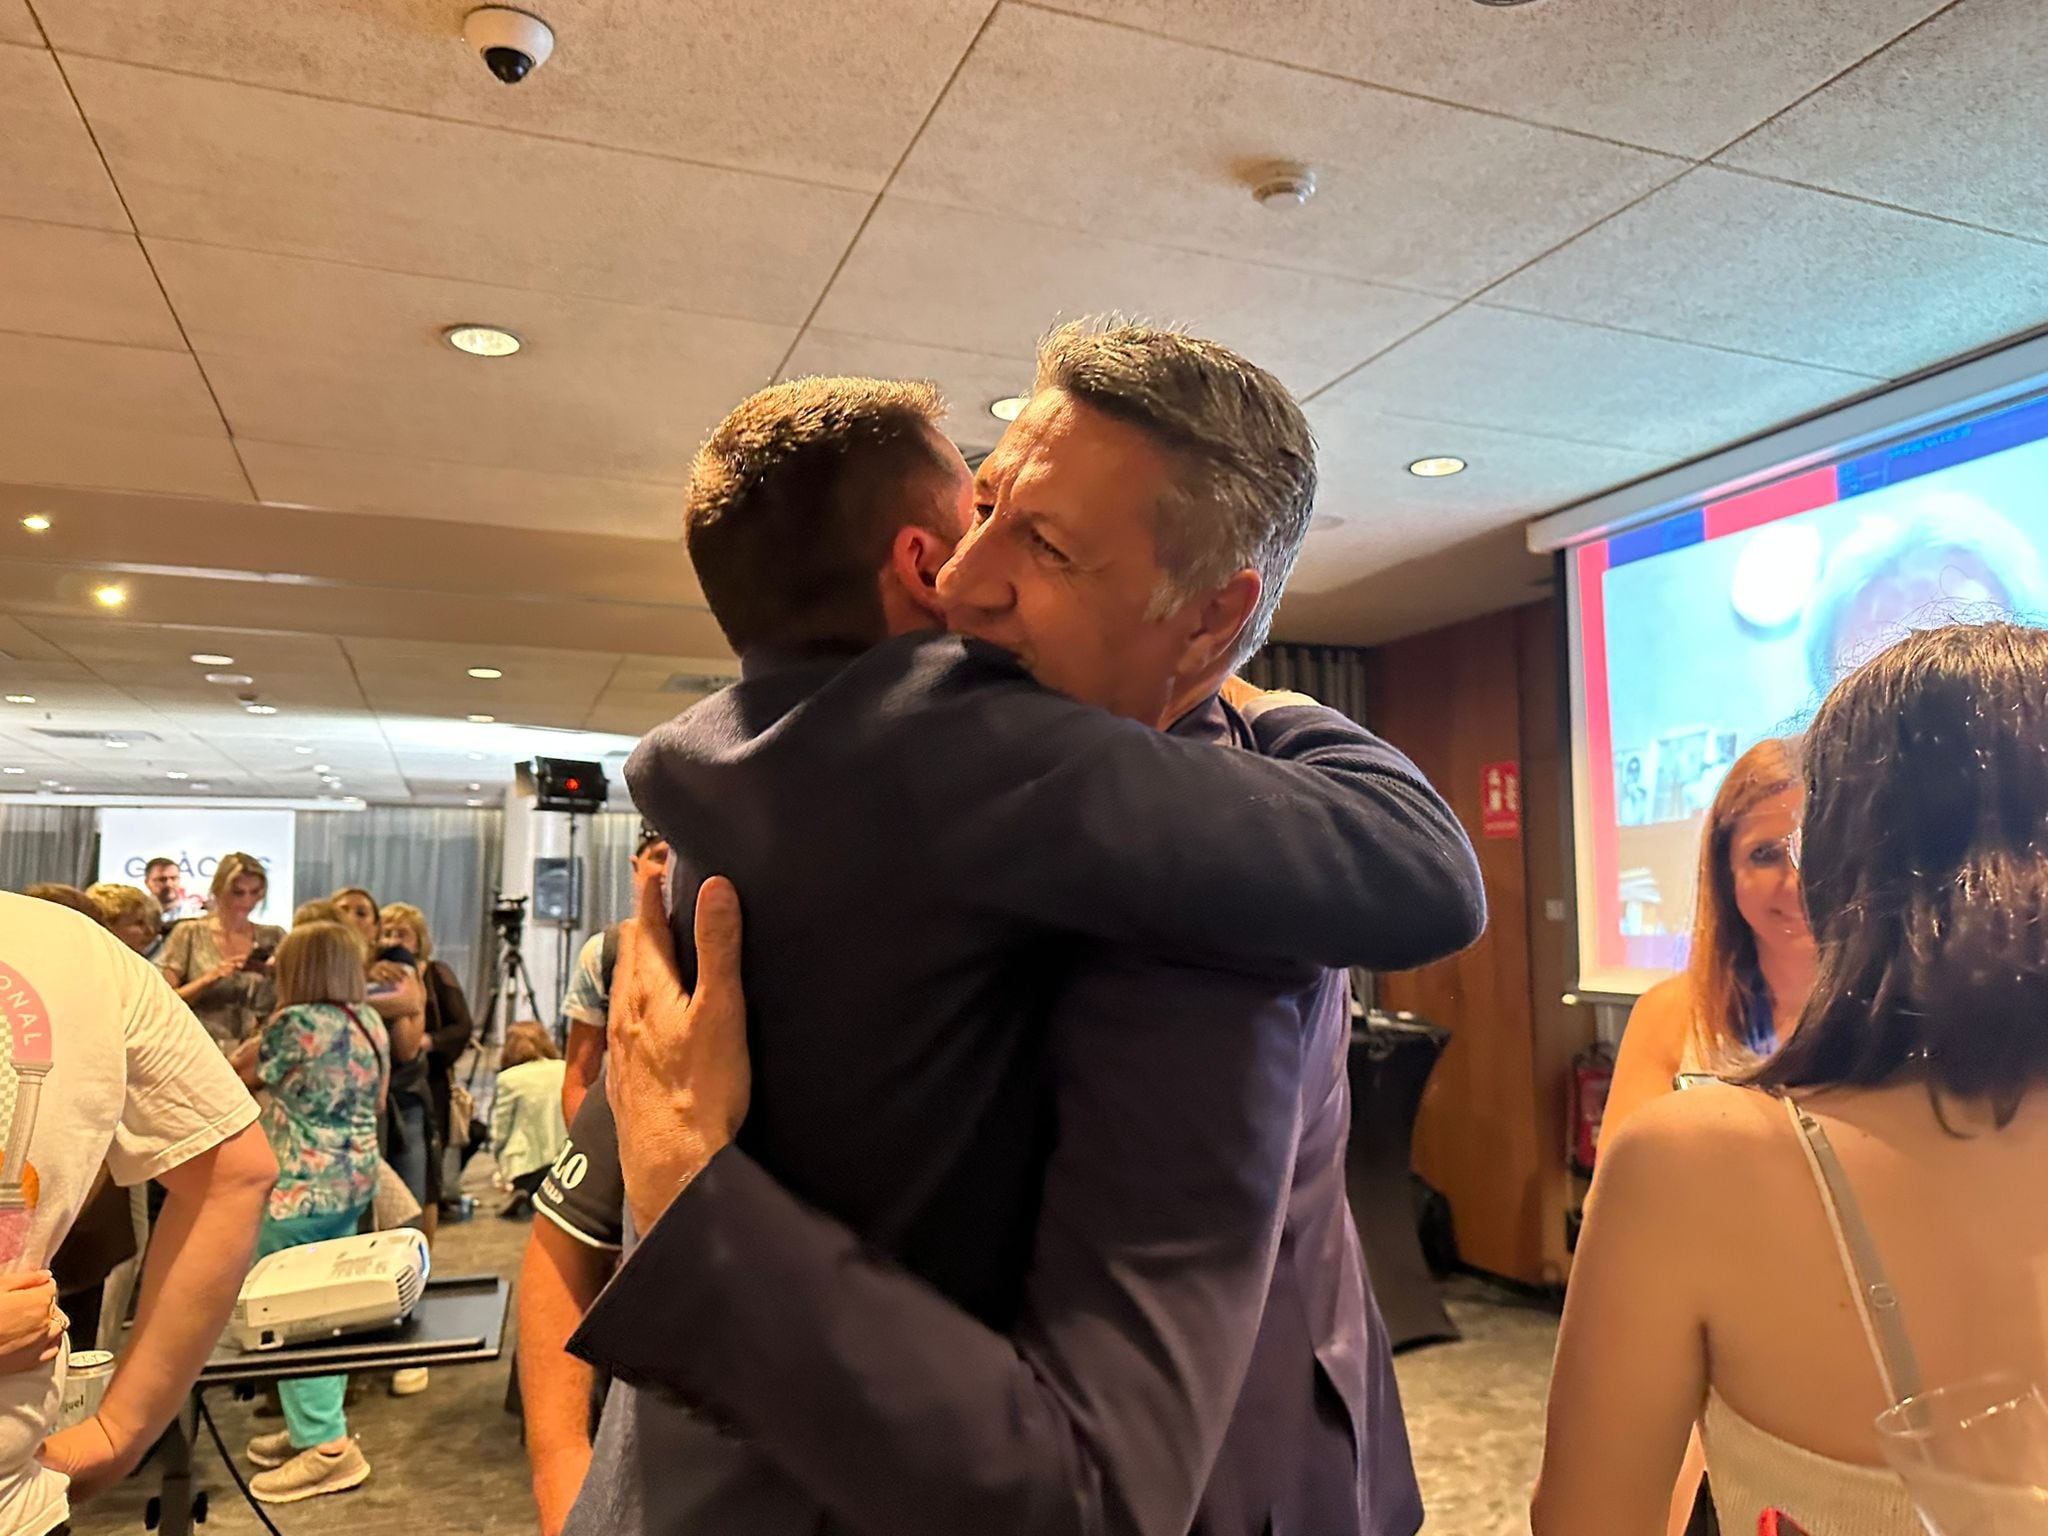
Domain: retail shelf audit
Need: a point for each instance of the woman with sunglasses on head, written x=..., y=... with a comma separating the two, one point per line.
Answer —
x=1750, y=967
x=1752, y=952
x=1783, y=1260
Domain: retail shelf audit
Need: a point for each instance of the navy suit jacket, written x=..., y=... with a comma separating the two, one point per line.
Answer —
x=931, y=852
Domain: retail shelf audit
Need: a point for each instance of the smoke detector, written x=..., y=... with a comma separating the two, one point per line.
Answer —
x=1283, y=187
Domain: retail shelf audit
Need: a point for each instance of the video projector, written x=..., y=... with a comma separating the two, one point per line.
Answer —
x=344, y=1285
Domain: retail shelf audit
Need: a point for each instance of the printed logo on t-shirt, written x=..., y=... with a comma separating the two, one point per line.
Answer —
x=28, y=1046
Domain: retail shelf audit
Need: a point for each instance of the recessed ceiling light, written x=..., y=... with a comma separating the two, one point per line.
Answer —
x=485, y=673
x=476, y=786
x=261, y=709
x=21, y=698
x=1436, y=468
x=1009, y=408
x=476, y=757
x=472, y=802
x=483, y=719
x=49, y=783
x=232, y=679
x=110, y=596
x=201, y=786
x=303, y=751
x=115, y=741
x=13, y=770
x=36, y=522
x=482, y=340
x=67, y=789
x=174, y=773
x=208, y=659
x=322, y=768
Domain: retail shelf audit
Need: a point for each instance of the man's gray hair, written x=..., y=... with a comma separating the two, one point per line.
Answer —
x=1244, y=459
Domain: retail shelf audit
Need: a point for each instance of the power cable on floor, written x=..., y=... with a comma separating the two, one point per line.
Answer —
x=235, y=1472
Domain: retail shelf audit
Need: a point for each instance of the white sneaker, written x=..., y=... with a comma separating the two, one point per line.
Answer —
x=409, y=1383
x=312, y=1473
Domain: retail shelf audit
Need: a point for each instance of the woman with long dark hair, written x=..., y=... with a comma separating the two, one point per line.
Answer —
x=1784, y=1260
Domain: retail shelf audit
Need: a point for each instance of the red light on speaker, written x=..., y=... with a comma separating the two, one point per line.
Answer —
x=574, y=786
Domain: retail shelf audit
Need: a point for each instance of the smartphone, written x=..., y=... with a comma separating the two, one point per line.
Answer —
x=257, y=958
x=1776, y=1522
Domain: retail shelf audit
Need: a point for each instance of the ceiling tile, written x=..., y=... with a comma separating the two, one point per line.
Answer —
x=114, y=458
x=47, y=380
x=50, y=169
x=1478, y=575
x=338, y=356
x=1946, y=121
x=1487, y=367
x=239, y=166
x=1386, y=516
x=91, y=284
x=17, y=25
x=87, y=413
x=1066, y=121
x=462, y=493
x=920, y=272
x=968, y=380
x=1794, y=273
x=541, y=686
x=1670, y=74
x=818, y=92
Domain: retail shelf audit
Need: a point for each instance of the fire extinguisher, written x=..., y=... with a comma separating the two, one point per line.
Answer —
x=1592, y=1076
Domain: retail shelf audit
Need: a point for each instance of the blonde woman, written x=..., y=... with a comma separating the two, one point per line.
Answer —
x=448, y=1031
x=325, y=1059
x=527, y=1128
x=132, y=915
x=220, y=963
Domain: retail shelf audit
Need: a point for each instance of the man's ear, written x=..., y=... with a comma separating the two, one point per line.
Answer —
x=1217, y=621
x=911, y=576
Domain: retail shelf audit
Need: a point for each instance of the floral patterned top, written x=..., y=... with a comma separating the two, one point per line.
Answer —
x=324, y=1064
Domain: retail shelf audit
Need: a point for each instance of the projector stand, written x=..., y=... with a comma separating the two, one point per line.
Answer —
x=460, y=1320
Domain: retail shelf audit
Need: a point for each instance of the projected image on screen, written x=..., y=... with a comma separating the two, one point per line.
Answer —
x=1707, y=631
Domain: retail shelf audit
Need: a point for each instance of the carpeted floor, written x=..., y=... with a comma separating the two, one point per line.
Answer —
x=1475, y=1411
x=449, y=1460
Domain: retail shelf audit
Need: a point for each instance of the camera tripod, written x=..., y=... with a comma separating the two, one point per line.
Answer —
x=509, y=977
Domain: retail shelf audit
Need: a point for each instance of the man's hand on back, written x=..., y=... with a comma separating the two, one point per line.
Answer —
x=678, y=1076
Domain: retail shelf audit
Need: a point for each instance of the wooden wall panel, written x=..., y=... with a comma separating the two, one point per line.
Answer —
x=1451, y=700
x=1559, y=1032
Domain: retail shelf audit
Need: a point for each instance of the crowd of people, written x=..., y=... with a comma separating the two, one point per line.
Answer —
x=348, y=1031
x=996, y=1181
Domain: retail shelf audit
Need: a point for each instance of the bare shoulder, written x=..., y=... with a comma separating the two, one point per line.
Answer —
x=1663, y=1014
x=1695, y=1138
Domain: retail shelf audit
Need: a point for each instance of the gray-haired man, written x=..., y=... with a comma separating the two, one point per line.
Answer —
x=973, y=904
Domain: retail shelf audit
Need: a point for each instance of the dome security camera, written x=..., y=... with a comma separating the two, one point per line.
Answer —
x=513, y=43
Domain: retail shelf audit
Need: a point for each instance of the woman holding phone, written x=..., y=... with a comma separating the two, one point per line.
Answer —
x=220, y=963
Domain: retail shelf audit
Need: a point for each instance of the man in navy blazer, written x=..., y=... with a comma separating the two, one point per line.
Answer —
x=1036, y=1221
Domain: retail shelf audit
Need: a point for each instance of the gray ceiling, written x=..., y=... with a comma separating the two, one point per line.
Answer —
x=1574, y=242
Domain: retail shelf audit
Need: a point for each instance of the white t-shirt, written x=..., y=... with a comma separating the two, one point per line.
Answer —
x=586, y=1001
x=104, y=1064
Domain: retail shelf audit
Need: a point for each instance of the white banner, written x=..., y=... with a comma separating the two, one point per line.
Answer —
x=195, y=837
